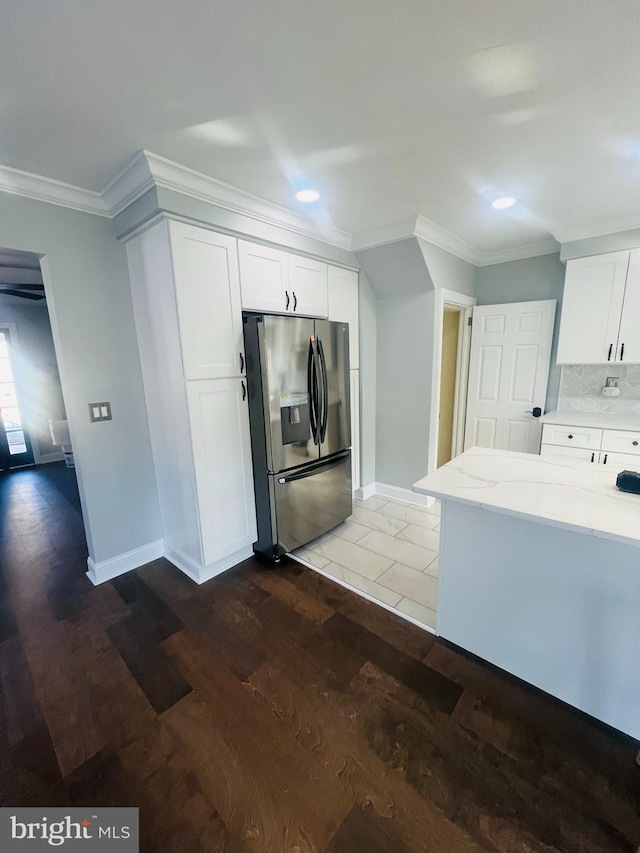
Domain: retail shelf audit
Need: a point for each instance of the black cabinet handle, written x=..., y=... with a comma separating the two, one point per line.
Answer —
x=604, y=461
x=635, y=443
x=241, y=363
x=295, y=302
x=610, y=349
x=569, y=436
x=286, y=293
x=622, y=352
x=244, y=392
x=593, y=456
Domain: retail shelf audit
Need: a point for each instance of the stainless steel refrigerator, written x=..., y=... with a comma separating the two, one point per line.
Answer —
x=299, y=411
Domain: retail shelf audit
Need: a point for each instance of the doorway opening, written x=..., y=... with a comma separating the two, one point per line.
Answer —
x=448, y=379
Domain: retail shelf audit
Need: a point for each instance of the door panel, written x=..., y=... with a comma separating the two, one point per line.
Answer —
x=207, y=287
x=313, y=503
x=620, y=461
x=552, y=451
x=309, y=288
x=284, y=354
x=343, y=307
x=591, y=308
x=508, y=371
x=630, y=323
x=334, y=343
x=264, y=277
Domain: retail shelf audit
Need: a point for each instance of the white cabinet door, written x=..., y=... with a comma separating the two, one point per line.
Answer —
x=621, y=441
x=207, y=287
x=343, y=307
x=508, y=371
x=590, y=438
x=629, y=340
x=308, y=285
x=552, y=451
x=620, y=461
x=264, y=278
x=219, y=421
x=355, y=427
x=591, y=309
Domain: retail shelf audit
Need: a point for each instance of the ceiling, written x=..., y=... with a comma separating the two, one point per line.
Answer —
x=423, y=107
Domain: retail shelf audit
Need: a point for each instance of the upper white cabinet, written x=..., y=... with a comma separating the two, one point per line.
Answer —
x=279, y=282
x=600, y=320
x=207, y=288
x=264, y=274
x=308, y=282
x=343, y=307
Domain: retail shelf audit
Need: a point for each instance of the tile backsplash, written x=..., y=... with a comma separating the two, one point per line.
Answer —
x=581, y=388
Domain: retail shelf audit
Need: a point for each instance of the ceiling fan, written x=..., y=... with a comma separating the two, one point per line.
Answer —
x=24, y=291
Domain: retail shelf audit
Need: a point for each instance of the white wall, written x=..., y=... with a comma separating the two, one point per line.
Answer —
x=89, y=298
x=37, y=377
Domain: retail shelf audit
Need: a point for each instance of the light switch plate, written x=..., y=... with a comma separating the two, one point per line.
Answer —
x=99, y=412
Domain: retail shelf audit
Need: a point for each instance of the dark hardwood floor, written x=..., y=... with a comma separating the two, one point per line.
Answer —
x=275, y=711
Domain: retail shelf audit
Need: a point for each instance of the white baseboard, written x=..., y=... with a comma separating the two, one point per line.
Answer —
x=357, y=591
x=366, y=492
x=108, y=569
x=202, y=574
x=400, y=494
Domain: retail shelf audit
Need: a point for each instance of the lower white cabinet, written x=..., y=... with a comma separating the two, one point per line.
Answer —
x=620, y=461
x=592, y=444
x=555, y=451
x=219, y=422
x=354, y=377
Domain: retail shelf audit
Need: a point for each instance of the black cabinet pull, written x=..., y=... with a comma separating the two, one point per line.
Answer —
x=241, y=363
x=295, y=302
x=593, y=456
x=610, y=349
x=569, y=436
x=286, y=293
x=635, y=443
x=622, y=352
x=604, y=461
x=244, y=392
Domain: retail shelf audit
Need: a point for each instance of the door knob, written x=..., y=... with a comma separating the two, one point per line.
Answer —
x=536, y=412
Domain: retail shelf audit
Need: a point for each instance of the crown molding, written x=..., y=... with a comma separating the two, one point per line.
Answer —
x=40, y=188
x=432, y=233
x=147, y=170
x=519, y=253
x=612, y=226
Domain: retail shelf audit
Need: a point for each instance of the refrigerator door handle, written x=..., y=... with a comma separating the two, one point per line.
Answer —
x=325, y=392
x=312, y=384
x=310, y=472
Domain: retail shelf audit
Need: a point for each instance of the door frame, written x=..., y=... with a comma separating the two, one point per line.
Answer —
x=465, y=303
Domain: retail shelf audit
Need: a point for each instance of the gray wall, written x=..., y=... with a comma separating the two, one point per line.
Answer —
x=87, y=281
x=447, y=271
x=36, y=370
x=524, y=281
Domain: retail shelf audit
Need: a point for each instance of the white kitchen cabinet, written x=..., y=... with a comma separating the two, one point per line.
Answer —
x=620, y=461
x=207, y=289
x=553, y=451
x=613, y=447
x=199, y=427
x=281, y=283
x=572, y=436
x=343, y=307
x=354, y=381
x=264, y=278
x=308, y=283
x=600, y=310
x=219, y=421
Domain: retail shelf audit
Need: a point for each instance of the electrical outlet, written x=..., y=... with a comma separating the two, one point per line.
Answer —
x=99, y=412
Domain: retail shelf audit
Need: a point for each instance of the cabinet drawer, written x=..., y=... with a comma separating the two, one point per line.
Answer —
x=621, y=441
x=620, y=461
x=571, y=436
x=553, y=451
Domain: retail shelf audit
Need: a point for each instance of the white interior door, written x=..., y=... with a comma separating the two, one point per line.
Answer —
x=508, y=372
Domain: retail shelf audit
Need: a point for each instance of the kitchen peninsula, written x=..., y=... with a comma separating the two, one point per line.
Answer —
x=540, y=575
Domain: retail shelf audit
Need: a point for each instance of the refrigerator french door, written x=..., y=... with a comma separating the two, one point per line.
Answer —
x=299, y=412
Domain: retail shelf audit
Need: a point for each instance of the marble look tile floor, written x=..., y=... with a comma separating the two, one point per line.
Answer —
x=388, y=550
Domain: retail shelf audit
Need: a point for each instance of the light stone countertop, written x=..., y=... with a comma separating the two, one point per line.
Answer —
x=572, y=494
x=601, y=420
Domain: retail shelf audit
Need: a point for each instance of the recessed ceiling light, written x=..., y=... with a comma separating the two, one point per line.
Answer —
x=503, y=202
x=307, y=195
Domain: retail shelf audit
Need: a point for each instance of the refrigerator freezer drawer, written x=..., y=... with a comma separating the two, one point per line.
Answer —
x=311, y=501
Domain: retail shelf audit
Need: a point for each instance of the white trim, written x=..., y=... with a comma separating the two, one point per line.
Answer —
x=432, y=233
x=27, y=184
x=365, y=492
x=200, y=574
x=451, y=297
x=359, y=592
x=519, y=253
x=462, y=380
x=405, y=495
x=108, y=569
x=128, y=185
x=602, y=229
